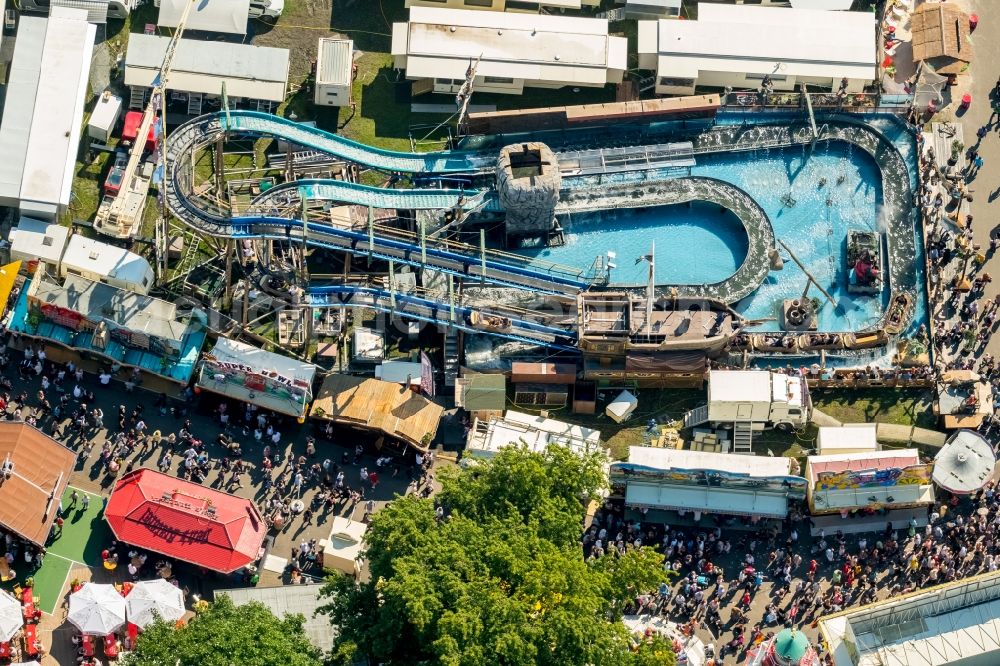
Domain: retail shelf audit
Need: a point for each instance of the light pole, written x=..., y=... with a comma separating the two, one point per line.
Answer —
x=650, y=283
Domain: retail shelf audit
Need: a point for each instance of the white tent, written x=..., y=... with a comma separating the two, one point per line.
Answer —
x=96, y=609
x=152, y=599
x=929, y=87
x=622, y=407
x=11, y=618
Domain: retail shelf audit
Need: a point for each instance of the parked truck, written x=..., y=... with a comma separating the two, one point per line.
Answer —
x=754, y=399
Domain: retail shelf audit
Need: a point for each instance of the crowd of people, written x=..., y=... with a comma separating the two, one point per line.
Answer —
x=739, y=583
x=247, y=451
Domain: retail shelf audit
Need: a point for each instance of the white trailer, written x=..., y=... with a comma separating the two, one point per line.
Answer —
x=334, y=72
x=103, y=120
x=752, y=400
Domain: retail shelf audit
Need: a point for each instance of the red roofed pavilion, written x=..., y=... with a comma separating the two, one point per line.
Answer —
x=185, y=521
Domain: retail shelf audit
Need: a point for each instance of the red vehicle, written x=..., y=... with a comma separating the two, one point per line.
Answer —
x=131, y=129
x=113, y=183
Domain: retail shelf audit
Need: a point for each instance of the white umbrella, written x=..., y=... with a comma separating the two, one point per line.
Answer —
x=96, y=609
x=11, y=619
x=150, y=599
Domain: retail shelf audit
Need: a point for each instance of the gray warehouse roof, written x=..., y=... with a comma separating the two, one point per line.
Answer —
x=256, y=72
x=303, y=599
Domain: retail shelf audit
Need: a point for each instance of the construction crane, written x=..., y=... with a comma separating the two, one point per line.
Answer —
x=120, y=215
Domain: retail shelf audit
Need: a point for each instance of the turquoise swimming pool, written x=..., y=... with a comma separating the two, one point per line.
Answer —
x=694, y=244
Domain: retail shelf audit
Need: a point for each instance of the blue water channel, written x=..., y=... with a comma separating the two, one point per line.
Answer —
x=835, y=189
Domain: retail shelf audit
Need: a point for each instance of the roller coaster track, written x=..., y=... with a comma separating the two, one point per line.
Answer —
x=273, y=221
x=435, y=312
x=206, y=129
x=457, y=259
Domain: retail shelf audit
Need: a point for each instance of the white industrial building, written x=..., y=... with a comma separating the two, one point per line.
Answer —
x=437, y=46
x=334, y=72
x=527, y=6
x=43, y=114
x=737, y=46
x=487, y=437
x=954, y=623
x=106, y=263
x=255, y=76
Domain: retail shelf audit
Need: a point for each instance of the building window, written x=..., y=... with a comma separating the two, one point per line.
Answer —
x=498, y=80
x=760, y=77
x=478, y=3
x=448, y=82
x=526, y=6
x=676, y=83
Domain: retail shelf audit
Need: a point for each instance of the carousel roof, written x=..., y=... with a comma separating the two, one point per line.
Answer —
x=965, y=463
x=791, y=646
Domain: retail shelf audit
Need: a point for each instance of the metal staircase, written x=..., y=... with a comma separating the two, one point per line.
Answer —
x=743, y=438
x=450, y=357
x=137, y=98
x=194, y=103
x=696, y=416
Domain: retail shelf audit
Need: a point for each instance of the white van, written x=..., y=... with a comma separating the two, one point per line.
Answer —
x=267, y=11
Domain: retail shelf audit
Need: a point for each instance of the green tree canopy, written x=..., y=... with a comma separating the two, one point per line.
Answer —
x=226, y=634
x=501, y=579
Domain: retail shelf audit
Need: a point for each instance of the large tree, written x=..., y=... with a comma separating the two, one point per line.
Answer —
x=501, y=579
x=226, y=634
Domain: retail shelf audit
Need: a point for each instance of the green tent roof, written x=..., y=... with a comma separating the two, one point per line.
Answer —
x=485, y=393
x=791, y=645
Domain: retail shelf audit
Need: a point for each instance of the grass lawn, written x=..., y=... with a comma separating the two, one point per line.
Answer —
x=85, y=533
x=901, y=407
x=49, y=581
x=871, y=406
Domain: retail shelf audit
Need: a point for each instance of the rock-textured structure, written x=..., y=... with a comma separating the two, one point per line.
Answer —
x=528, y=183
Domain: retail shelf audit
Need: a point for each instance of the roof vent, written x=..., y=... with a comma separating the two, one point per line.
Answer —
x=95, y=255
x=452, y=29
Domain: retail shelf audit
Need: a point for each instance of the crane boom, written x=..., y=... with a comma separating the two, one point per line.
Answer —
x=121, y=215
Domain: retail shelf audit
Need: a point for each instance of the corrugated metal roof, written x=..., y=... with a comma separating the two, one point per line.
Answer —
x=334, y=62
x=97, y=10
x=229, y=16
x=256, y=72
x=22, y=87
x=292, y=599
x=58, y=112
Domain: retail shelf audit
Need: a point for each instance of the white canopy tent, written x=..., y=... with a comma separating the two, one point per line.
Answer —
x=621, y=407
x=97, y=609
x=152, y=599
x=11, y=617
